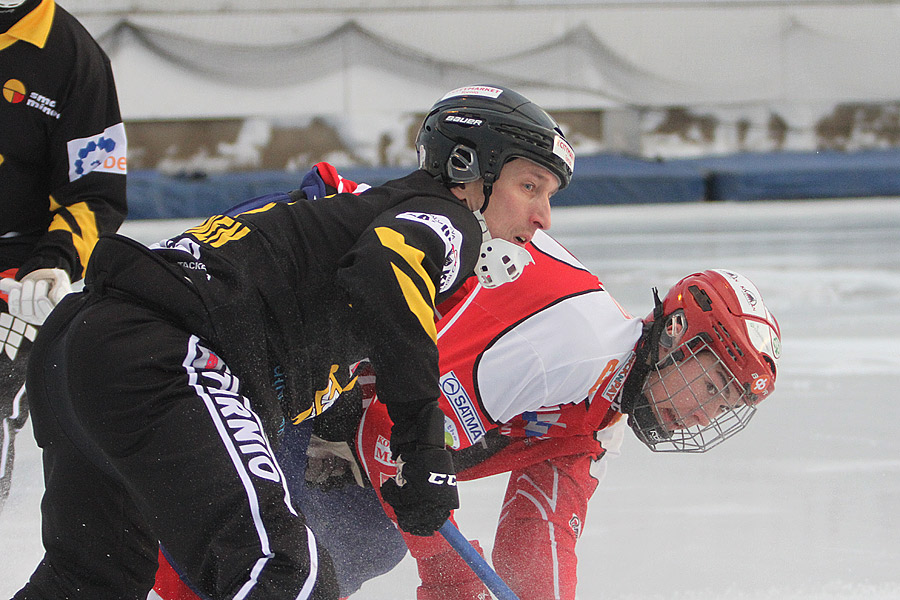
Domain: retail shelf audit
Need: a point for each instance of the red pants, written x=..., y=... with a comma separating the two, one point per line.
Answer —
x=542, y=516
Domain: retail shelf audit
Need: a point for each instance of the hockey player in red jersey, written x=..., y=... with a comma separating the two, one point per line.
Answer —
x=536, y=377
x=536, y=384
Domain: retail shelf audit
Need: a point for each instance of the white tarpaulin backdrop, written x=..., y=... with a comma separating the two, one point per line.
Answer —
x=175, y=59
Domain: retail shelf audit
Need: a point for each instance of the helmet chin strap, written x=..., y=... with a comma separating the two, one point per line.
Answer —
x=641, y=417
x=11, y=3
x=488, y=188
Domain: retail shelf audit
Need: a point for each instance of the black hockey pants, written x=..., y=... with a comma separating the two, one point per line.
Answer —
x=147, y=437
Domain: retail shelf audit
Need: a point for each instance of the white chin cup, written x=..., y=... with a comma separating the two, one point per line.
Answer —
x=11, y=3
x=500, y=262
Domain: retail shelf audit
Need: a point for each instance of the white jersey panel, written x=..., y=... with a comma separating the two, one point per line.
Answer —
x=549, y=246
x=555, y=356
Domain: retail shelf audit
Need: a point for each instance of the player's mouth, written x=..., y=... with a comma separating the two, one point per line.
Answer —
x=670, y=419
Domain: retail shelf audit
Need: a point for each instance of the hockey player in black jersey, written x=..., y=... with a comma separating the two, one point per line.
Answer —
x=62, y=181
x=175, y=372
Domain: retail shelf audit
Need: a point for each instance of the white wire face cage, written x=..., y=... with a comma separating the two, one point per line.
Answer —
x=696, y=400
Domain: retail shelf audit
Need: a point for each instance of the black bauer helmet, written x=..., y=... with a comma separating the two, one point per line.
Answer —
x=473, y=131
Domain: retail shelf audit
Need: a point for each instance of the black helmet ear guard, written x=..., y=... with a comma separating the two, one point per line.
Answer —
x=473, y=131
x=462, y=164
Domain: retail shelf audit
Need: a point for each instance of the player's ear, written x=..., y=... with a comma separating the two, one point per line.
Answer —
x=471, y=192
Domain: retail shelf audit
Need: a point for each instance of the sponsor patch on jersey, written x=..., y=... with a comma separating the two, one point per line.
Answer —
x=538, y=424
x=383, y=451
x=451, y=237
x=14, y=91
x=451, y=433
x=463, y=407
x=473, y=90
x=611, y=393
x=102, y=153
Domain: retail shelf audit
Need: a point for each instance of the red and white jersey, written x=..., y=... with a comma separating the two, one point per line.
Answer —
x=552, y=338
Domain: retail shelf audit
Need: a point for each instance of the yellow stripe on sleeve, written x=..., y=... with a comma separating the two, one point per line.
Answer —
x=87, y=223
x=413, y=257
x=417, y=303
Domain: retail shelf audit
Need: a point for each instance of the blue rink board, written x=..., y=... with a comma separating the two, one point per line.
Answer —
x=778, y=176
x=599, y=180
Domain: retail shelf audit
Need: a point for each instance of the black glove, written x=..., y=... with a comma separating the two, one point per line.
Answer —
x=424, y=490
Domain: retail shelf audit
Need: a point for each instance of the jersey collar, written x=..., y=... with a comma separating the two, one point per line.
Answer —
x=32, y=28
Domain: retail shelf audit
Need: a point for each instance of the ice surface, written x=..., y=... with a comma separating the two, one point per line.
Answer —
x=802, y=505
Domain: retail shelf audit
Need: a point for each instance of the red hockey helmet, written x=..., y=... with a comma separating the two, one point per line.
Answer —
x=719, y=349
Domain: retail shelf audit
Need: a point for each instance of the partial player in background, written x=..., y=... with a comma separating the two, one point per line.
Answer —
x=62, y=181
x=225, y=335
x=535, y=378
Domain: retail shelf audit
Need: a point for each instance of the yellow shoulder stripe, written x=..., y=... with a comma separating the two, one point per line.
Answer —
x=219, y=230
x=263, y=208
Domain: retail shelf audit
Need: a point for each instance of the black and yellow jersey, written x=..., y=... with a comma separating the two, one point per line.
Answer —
x=62, y=147
x=293, y=296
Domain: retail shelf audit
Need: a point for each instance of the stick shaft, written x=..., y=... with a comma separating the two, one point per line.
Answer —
x=476, y=562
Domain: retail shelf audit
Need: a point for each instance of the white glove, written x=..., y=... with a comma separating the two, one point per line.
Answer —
x=34, y=297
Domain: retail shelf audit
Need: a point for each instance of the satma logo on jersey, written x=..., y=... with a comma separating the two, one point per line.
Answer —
x=463, y=407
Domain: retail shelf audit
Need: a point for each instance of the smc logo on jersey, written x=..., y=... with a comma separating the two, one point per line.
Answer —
x=462, y=406
x=14, y=92
x=102, y=153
